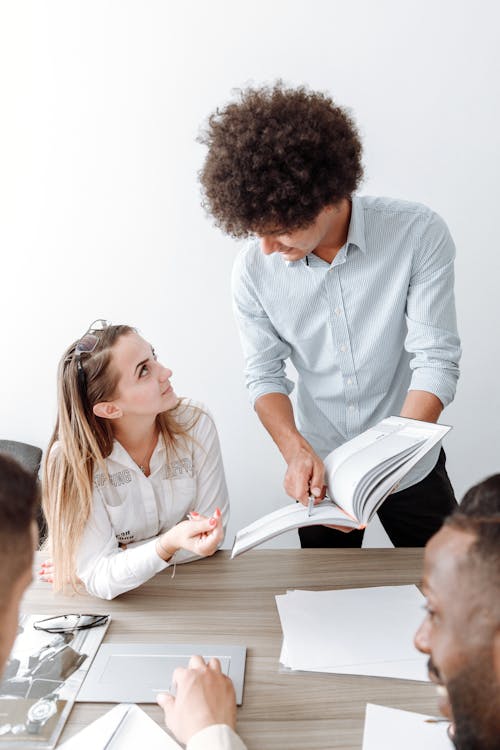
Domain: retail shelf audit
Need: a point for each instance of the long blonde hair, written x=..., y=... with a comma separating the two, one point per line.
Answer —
x=81, y=441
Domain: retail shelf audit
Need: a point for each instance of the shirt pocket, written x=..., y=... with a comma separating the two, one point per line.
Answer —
x=180, y=498
x=123, y=522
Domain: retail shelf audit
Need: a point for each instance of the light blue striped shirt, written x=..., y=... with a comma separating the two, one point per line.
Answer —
x=362, y=331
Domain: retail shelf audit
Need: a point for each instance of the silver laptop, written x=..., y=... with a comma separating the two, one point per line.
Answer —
x=137, y=672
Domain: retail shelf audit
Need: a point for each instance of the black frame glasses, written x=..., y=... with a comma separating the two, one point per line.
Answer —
x=86, y=345
x=70, y=623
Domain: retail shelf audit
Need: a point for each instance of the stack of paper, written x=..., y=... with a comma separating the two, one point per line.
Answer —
x=392, y=729
x=366, y=631
x=126, y=727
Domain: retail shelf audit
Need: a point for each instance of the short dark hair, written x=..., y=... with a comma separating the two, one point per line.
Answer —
x=276, y=157
x=479, y=515
x=19, y=499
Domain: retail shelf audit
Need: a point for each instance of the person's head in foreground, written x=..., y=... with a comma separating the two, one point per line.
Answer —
x=110, y=386
x=282, y=164
x=461, y=634
x=461, y=631
x=18, y=539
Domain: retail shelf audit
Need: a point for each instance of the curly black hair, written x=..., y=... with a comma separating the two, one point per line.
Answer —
x=276, y=157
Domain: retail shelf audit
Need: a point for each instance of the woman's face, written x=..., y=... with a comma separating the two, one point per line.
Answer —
x=143, y=387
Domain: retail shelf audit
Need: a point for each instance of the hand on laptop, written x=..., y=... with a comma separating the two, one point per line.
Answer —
x=204, y=697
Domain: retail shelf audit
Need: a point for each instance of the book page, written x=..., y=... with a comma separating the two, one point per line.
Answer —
x=290, y=517
x=375, y=460
x=359, y=474
x=393, y=478
x=41, y=679
x=366, y=461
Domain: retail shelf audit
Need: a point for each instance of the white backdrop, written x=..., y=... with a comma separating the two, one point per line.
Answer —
x=100, y=209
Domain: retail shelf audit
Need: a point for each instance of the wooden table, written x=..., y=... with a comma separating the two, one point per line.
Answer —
x=218, y=600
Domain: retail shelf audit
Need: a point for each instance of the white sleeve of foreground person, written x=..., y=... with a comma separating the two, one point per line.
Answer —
x=216, y=737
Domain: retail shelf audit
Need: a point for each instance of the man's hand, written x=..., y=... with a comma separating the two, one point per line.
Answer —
x=305, y=473
x=204, y=697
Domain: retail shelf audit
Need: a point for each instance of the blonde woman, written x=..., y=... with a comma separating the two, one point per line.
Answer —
x=133, y=479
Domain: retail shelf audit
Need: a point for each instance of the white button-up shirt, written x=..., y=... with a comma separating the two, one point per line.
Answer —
x=132, y=509
x=216, y=737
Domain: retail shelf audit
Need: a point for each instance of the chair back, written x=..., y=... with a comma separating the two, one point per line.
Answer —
x=29, y=456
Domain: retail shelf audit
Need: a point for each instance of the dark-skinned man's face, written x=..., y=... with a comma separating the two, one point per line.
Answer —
x=461, y=635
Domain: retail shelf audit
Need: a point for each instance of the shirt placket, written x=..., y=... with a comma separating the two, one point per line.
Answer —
x=149, y=503
x=343, y=346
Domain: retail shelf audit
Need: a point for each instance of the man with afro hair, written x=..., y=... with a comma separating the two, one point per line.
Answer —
x=356, y=291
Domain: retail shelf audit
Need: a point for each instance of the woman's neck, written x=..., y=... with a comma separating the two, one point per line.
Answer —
x=136, y=436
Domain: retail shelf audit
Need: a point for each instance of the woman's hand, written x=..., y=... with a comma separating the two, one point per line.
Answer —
x=200, y=535
x=46, y=571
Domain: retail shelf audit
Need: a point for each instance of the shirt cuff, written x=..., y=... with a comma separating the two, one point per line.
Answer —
x=284, y=386
x=216, y=737
x=144, y=561
x=441, y=383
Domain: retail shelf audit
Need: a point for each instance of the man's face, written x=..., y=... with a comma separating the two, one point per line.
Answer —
x=459, y=638
x=297, y=244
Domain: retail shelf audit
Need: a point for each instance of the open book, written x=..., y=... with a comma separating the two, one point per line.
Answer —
x=359, y=475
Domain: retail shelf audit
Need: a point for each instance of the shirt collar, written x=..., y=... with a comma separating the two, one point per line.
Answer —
x=120, y=455
x=356, y=233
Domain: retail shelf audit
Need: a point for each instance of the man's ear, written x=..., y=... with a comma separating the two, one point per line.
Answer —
x=107, y=410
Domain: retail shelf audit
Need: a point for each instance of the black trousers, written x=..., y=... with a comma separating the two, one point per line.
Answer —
x=410, y=517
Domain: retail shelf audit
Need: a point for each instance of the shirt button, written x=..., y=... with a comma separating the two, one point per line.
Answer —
x=343, y=348
x=351, y=407
x=349, y=381
x=338, y=311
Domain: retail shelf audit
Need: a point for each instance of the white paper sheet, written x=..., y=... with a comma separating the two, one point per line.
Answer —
x=365, y=631
x=392, y=729
x=138, y=730
x=409, y=669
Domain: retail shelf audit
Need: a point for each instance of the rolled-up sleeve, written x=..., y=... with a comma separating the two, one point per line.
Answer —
x=430, y=314
x=264, y=351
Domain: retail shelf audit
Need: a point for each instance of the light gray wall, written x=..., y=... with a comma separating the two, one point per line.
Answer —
x=101, y=104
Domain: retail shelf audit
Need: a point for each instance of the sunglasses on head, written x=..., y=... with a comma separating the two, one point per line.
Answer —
x=86, y=345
